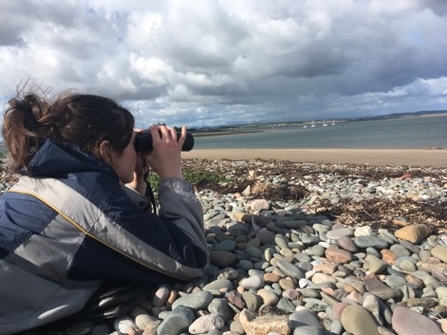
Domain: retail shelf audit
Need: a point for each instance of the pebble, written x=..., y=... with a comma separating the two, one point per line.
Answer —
x=283, y=267
x=161, y=296
x=195, y=301
x=346, y=243
x=337, y=255
x=335, y=234
x=413, y=233
x=253, y=282
x=176, y=321
x=257, y=325
x=206, y=323
x=408, y=322
x=143, y=320
x=222, y=258
x=440, y=252
x=290, y=270
x=371, y=241
x=358, y=321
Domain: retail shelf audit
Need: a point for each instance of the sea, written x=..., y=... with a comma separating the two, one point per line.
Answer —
x=398, y=133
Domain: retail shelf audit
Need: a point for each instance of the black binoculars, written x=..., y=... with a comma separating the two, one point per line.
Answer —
x=143, y=141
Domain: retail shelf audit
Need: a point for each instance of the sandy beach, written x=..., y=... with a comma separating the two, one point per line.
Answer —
x=393, y=157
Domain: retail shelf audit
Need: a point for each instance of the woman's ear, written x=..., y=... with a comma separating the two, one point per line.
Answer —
x=104, y=152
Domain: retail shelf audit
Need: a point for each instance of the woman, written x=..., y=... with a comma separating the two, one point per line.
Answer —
x=69, y=227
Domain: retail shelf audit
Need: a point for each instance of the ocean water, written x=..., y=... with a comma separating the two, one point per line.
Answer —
x=402, y=133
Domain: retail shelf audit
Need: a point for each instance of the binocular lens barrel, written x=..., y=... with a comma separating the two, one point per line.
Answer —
x=143, y=141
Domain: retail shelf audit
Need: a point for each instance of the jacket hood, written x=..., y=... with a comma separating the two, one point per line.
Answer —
x=60, y=159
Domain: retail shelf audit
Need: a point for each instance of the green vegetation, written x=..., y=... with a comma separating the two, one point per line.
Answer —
x=195, y=177
x=200, y=177
x=154, y=181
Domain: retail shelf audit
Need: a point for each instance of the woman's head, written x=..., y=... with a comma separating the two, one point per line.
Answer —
x=81, y=119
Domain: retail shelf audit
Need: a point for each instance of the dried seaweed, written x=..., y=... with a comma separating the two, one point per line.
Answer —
x=376, y=212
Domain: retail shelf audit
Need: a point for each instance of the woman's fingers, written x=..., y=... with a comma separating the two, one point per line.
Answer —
x=168, y=135
x=166, y=156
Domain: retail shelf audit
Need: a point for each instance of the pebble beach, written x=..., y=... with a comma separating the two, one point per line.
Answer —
x=308, y=248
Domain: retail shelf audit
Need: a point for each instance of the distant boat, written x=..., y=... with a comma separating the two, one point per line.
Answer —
x=324, y=124
x=313, y=124
x=305, y=126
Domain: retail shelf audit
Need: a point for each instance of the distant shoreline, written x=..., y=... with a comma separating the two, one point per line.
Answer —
x=222, y=132
x=424, y=116
x=242, y=129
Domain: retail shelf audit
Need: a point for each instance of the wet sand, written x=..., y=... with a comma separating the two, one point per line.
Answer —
x=393, y=157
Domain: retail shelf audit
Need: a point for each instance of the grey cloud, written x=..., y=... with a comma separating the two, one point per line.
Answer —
x=12, y=23
x=437, y=6
x=9, y=34
x=211, y=44
x=210, y=61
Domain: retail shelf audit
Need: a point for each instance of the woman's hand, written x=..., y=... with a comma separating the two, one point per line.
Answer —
x=165, y=158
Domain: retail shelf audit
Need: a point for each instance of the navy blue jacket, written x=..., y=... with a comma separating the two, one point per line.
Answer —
x=68, y=225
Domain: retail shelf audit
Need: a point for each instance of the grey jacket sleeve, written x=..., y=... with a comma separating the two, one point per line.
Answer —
x=179, y=205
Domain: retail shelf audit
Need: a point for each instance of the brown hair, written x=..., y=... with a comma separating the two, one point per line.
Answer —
x=81, y=119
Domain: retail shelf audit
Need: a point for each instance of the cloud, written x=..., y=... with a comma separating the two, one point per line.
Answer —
x=221, y=62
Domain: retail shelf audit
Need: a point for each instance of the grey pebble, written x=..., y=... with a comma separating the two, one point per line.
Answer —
x=195, y=301
x=176, y=321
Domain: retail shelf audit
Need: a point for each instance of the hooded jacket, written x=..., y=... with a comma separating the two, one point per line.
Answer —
x=68, y=225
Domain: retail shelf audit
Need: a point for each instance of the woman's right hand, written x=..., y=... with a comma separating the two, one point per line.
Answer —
x=165, y=158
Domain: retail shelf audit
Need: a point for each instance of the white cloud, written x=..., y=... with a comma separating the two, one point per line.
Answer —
x=213, y=62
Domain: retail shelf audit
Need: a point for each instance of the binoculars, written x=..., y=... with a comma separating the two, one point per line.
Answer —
x=143, y=141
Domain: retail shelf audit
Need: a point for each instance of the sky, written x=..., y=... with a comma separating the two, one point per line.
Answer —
x=209, y=63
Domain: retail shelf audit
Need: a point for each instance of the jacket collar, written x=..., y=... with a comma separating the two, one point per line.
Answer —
x=60, y=159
